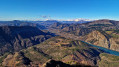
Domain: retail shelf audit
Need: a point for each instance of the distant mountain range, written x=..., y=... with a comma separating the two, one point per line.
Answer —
x=84, y=28
x=57, y=43
x=20, y=23
x=47, y=23
x=80, y=20
x=100, y=32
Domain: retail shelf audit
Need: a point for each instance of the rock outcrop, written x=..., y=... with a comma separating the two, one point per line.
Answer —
x=103, y=39
x=97, y=38
x=14, y=38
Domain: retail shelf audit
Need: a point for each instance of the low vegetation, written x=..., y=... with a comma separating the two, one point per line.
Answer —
x=108, y=60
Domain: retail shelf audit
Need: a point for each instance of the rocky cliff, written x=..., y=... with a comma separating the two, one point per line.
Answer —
x=107, y=39
x=14, y=38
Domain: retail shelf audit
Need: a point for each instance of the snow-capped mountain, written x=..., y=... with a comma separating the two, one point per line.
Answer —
x=79, y=20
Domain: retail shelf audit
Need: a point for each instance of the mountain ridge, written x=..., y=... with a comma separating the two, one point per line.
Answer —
x=14, y=38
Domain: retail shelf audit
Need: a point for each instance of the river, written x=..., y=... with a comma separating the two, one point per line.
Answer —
x=105, y=49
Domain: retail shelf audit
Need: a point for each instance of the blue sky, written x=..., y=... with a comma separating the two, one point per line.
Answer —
x=58, y=9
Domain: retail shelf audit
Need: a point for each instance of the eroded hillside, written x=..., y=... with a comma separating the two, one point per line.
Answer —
x=14, y=38
x=58, y=48
x=108, y=39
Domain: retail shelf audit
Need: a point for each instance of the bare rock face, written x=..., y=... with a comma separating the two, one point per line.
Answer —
x=103, y=40
x=97, y=38
x=18, y=59
x=14, y=38
x=114, y=44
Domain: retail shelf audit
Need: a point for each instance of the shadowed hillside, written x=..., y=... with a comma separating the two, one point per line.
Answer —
x=14, y=38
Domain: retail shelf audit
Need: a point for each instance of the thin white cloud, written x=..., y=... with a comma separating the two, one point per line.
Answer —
x=44, y=16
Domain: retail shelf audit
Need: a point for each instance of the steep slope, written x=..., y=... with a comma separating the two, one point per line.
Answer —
x=97, y=38
x=14, y=38
x=58, y=48
x=102, y=33
x=108, y=39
